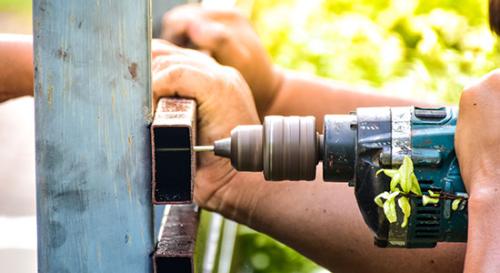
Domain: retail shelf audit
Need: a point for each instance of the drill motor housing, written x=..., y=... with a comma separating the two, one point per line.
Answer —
x=356, y=146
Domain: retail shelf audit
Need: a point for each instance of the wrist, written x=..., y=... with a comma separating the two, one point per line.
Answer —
x=277, y=79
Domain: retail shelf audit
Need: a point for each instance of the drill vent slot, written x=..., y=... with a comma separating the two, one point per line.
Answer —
x=426, y=185
x=427, y=222
x=427, y=211
x=427, y=225
x=428, y=231
x=427, y=236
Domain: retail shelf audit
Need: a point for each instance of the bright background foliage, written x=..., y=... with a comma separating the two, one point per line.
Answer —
x=425, y=48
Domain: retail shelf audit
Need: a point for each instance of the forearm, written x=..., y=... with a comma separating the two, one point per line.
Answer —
x=322, y=221
x=16, y=66
x=483, y=246
x=300, y=94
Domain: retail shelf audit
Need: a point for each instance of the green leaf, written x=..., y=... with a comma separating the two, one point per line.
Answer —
x=415, y=186
x=405, y=206
x=455, y=204
x=388, y=172
x=433, y=194
x=393, y=195
x=429, y=200
x=378, y=200
x=395, y=181
x=390, y=210
x=384, y=195
x=405, y=172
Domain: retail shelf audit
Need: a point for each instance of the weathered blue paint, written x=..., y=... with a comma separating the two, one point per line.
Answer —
x=92, y=100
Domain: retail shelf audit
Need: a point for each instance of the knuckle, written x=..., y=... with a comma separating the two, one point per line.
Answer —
x=157, y=61
x=231, y=72
x=162, y=61
x=175, y=71
x=159, y=58
x=170, y=73
x=221, y=37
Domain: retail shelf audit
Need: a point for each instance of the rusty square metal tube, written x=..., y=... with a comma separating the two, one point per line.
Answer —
x=175, y=249
x=173, y=135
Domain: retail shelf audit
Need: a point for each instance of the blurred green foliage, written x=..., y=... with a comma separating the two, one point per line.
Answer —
x=258, y=253
x=15, y=6
x=424, y=48
x=427, y=49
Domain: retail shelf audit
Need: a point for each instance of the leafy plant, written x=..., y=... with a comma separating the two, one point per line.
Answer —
x=404, y=185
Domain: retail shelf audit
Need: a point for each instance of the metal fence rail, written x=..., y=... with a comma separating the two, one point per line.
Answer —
x=175, y=249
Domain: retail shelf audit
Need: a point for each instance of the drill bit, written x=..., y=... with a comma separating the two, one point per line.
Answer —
x=205, y=148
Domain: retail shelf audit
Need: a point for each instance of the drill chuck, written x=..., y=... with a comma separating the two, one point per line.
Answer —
x=244, y=148
x=284, y=148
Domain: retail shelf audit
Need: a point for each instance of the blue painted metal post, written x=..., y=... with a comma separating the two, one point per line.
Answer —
x=92, y=99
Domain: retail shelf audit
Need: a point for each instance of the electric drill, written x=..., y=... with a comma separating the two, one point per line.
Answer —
x=352, y=149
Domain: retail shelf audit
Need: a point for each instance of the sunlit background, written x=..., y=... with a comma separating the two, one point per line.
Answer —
x=15, y=16
x=428, y=49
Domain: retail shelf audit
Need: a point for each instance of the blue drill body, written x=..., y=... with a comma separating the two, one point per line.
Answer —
x=357, y=146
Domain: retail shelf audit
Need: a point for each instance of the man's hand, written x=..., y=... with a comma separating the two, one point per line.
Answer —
x=231, y=40
x=477, y=142
x=224, y=101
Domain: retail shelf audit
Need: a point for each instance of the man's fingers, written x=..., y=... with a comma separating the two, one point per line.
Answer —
x=163, y=61
x=217, y=39
x=165, y=54
x=181, y=80
x=208, y=35
x=162, y=47
x=175, y=24
x=193, y=27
